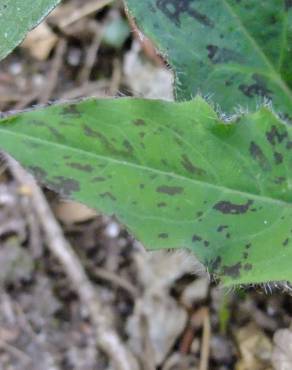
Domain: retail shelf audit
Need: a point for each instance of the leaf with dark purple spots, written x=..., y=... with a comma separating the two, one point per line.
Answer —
x=228, y=200
x=239, y=52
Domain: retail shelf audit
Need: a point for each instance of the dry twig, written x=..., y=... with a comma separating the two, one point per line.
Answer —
x=205, y=347
x=107, y=339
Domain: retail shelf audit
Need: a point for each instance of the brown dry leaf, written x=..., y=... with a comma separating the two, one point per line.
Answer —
x=282, y=352
x=40, y=41
x=165, y=317
x=255, y=349
x=72, y=212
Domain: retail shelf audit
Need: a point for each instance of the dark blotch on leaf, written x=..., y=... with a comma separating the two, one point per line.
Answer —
x=71, y=110
x=214, y=264
x=139, y=122
x=222, y=55
x=279, y=180
x=196, y=238
x=161, y=204
x=190, y=167
x=128, y=146
x=169, y=190
x=259, y=88
x=227, y=207
x=221, y=228
x=275, y=136
x=38, y=172
x=247, y=267
x=285, y=242
x=232, y=271
x=258, y=155
x=64, y=185
x=98, y=179
x=173, y=9
x=81, y=167
x=278, y=158
x=288, y=4
x=109, y=195
x=163, y=236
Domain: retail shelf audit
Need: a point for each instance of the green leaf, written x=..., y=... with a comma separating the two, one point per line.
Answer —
x=239, y=52
x=175, y=174
x=17, y=17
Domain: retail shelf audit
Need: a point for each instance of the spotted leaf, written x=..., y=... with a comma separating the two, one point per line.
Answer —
x=17, y=17
x=174, y=174
x=239, y=52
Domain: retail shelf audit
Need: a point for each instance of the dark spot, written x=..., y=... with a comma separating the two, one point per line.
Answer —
x=163, y=236
x=215, y=264
x=206, y=243
x=190, y=167
x=259, y=88
x=141, y=186
x=170, y=190
x=288, y=4
x=289, y=145
x=173, y=9
x=38, y=172
x=247, y=267
x=279, y=180
x=98, y=179
x=258, y=155
x=88, y=131
x=56, y=133
x=228, y=236
x=275, y=136
x=109, y=195
x=81, y=167
x=245, y=255
x=128, y=146
x=248, y=245
x=278, y=158
x=227, y=207
x=71, y=110
x=221, y=228
x=64, y=185
x=139, y=122
x=196, y=238
x=285, y=242
x=141, y=134
x=222, y=55
x=232, y=271
x=199, y=214
x=161, y=204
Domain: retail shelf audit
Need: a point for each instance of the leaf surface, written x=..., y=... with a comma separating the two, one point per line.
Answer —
x=17, y=17
x=237, y=52
x=175, y=174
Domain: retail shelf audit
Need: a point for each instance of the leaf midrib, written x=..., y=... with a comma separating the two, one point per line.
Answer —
x=150, y=169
